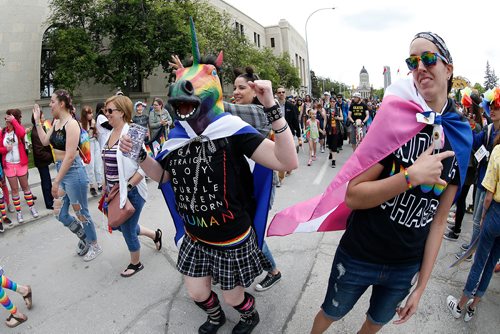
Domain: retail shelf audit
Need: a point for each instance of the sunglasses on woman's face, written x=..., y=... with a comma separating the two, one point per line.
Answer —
x=109, y=110
x=428, y=59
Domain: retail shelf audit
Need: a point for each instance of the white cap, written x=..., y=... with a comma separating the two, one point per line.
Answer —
x=357, y=94
x=326, y=93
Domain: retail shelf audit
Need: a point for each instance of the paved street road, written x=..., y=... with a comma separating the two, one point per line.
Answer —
x=71, y=296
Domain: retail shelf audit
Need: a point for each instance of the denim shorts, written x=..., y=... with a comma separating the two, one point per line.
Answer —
x=349, y=279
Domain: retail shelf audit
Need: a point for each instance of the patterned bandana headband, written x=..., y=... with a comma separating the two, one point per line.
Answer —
x=438, y=42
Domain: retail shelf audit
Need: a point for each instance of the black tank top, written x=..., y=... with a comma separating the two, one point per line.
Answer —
x=58, y=138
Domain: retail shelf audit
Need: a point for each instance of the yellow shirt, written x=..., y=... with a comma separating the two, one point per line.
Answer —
x=491, y=179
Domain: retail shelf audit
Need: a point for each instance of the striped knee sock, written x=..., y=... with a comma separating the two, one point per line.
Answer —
x=5, y=190
x=8, y=284
x=247, y=307
x=5, y=301
x=16, y=200
x=212, y=307
x=28, y=197
x=2, y=208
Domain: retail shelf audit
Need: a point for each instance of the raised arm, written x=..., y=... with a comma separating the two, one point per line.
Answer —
x=44, y=137
x=280, y=154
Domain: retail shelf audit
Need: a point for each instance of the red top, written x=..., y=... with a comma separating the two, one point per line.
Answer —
x=20, y=132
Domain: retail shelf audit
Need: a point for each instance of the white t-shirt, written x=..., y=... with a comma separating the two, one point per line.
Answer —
x=102, y=133
x=13, y=156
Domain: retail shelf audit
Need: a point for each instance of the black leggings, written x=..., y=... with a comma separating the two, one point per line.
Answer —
x=460, y=212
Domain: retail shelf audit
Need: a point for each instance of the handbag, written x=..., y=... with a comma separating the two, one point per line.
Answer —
x=111, y=205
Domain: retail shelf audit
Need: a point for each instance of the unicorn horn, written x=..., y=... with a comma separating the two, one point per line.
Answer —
x=194, y=43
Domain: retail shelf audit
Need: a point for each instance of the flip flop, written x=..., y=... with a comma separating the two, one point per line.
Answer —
x=157, y=240
x=135, y=267
x=28, y=299
x=18, y=321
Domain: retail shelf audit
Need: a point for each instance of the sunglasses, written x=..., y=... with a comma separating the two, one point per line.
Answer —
x=110, y=111
x=281, y=92
x=428, y=59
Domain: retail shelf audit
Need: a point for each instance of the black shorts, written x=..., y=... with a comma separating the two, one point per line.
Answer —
x=230, y=267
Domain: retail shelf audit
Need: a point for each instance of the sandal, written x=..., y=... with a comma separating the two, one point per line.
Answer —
x=28, y=299
x=17, y=320
x=135, y=267
x=157, y=239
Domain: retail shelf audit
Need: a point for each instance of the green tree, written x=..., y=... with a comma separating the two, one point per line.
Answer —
x=490, y=79
x=479, y=88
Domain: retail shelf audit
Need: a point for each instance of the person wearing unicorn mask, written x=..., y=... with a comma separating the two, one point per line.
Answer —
x=210, y=192
x=393, y=195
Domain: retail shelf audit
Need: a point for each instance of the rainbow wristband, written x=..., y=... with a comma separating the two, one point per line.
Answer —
x=407, y=178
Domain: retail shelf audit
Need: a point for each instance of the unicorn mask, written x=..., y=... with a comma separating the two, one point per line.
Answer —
x=196, y=95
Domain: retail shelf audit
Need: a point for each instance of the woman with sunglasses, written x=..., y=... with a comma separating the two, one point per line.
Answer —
x=71, y=180
x=399, y=204
x=94, y=168
x=159, y=123
x=130, y=177
x=102, y=125
x=15, y=161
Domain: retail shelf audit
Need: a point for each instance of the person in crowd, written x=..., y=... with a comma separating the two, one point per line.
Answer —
x=43, y=157
x=488, y=249
x=357, y=111
x=313, y=129
x=140, y=117
x=472, y=112
x=5, y=220
x=245, y=95
x=484, y=139
x=321, y=117
x=333, y=129
x=102, y=125
x=15, y=161
x=71, y=180
x=392, y=252
x=290, y=112
x=235, y=239
x=16, y=317
x=130, y=177
x=94, y=168
x=159, y=123
x=306, y=105
x=342, y=108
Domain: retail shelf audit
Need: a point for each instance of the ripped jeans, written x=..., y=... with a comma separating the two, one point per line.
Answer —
x=75, y=184
x=350, y=278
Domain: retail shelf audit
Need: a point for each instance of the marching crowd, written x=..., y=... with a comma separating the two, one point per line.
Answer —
x=437, y=172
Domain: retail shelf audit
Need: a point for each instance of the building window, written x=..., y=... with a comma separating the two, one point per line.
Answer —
x=272, y=42
x=258, y=40
x=47, y=66
x=239, y=28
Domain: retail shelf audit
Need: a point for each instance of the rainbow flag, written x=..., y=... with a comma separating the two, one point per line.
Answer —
x=328, y=211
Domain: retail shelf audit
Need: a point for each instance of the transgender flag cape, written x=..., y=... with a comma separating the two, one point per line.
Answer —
x=224, y=125
x=394, y=125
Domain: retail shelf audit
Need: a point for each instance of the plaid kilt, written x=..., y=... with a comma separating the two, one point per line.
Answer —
x=228, y=266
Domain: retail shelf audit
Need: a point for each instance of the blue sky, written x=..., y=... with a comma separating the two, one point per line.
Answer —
x=378, y=33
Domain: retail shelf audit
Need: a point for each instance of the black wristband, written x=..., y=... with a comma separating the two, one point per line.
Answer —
x=282, y=129
x=142, y=155
x=273, y=113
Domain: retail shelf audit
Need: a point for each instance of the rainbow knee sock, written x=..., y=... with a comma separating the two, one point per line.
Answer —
x=2, y=208
x=8, y=284
x=5, y=301
x=28, y=197
x=16, y=200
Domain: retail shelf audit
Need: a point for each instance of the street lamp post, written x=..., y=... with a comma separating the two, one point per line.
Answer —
x=307, y=47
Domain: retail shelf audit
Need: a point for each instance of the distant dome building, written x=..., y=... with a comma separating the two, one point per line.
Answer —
x=364, y=84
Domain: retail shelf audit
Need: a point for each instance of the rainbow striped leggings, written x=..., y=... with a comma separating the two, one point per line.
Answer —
x=4, y=299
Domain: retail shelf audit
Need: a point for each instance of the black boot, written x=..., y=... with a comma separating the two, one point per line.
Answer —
x=246, y=323
x=333, y=164
x=211, y=326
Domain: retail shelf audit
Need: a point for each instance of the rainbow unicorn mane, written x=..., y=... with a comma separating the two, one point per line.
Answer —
x=197, y=92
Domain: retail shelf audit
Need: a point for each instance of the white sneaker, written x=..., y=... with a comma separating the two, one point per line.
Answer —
x=469, y=313
x=34, y=211
x=20, y=218
x=93, y=252
x=11, y=208
x=452, y=304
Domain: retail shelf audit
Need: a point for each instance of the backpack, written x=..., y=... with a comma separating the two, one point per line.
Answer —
x=84, y=146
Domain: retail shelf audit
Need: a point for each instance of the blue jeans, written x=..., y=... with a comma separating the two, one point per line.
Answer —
x=74, y=185
x=349, y=279
x=268, y=255
x=487, y=253
x=131, y=229
x=478, y=211
x=46, y=184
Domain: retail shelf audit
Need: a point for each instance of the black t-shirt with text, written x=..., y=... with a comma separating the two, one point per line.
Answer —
x=395, y=232
x=223, y=203
x=358, y=111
